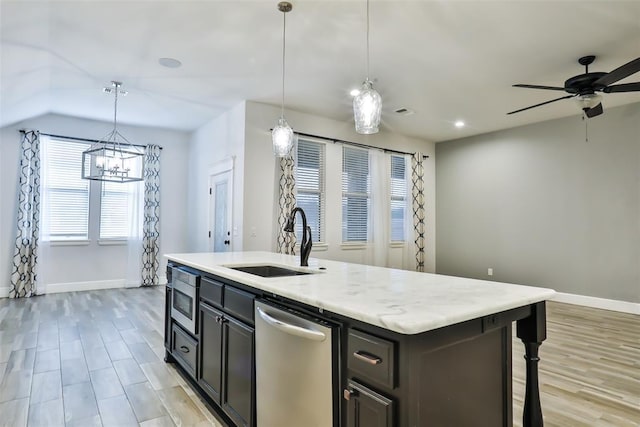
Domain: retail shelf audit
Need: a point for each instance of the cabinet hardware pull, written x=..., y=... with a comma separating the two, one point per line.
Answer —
x=348, y=393
x=372, y=360
x=184, y=349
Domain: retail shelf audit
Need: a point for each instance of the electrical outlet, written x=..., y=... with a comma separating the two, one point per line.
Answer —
x=490, y=271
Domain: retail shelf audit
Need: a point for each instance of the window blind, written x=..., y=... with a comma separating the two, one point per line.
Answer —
x=310, y=170
x=114, y=214
x=67, y=194
x=398, y=197
x=356, y=191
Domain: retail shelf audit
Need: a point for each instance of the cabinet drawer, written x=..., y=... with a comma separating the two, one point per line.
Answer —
x=239, y=304
x=211, y=291
x=372, y=358
x=184, y=349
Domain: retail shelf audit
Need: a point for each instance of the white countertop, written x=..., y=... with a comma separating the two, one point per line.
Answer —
x=402, y=301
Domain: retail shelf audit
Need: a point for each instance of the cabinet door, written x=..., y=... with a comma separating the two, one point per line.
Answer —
x=210, y=378
x=239, y=373
x=167, y=319
x=367, y=408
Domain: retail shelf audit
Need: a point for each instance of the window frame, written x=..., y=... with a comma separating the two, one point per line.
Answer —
x=402, y=199
x=345, y=194
x=320, y=192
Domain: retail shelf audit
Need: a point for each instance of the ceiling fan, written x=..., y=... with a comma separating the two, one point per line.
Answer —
x=583, y=87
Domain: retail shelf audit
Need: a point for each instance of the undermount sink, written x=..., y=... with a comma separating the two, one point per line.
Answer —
x=268, y=270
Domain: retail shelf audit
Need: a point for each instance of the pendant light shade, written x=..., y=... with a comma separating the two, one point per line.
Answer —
x=367, y=105
x=282, y=134
x=282, y=137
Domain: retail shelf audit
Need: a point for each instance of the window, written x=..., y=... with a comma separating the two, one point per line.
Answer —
x=65, y=193
x=356, y=193
x=398, y=197
x=66, y=201
x=310, y=169
x=114, y=214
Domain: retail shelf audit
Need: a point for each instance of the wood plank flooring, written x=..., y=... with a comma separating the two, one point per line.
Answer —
x=589, y=368
x=91, y=359
x=95, y=358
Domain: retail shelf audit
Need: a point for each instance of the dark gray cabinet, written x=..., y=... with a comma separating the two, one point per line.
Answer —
x=167, y=318
x=210, y=378
x=227, y=369
x=366, y=408
x=239, y=373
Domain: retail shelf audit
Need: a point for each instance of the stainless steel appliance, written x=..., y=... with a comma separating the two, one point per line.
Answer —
x=184, y=298
x=296, y=380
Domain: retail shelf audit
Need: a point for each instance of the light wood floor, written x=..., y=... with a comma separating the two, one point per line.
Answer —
x=95, y=358
x=90, y=359
x=589, y=368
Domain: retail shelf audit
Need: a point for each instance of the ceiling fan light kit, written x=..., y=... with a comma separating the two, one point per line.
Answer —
x=583, y=87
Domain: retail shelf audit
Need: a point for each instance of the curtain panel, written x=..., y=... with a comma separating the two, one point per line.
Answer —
x=417, y=197
x=25, y=256
x=151, y=221
x=286, y=242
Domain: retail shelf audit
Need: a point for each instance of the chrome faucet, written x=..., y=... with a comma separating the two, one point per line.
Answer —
x=305, y=245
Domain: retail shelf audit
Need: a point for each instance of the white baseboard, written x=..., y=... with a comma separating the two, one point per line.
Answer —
x=4, y=291
x=594, y=302
x=85, y=286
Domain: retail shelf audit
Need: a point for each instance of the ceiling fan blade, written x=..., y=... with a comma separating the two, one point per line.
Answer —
x=540, y=87
x=595, y=111
x=542, y=103
x=626, y=87
x=619, y=73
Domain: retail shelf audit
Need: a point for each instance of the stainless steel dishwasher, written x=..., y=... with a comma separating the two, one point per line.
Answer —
x=296, y=379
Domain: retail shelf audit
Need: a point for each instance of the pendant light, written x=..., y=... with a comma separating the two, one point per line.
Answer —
x=282, y=134
x=367, y=104
x=113, y=158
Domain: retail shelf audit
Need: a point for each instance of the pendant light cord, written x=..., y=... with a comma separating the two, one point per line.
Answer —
x=284, y=36
x=367, y=39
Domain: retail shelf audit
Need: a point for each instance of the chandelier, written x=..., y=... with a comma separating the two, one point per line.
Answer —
x=113, y=158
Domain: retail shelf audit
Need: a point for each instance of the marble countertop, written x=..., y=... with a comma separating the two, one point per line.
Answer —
x=402, y=301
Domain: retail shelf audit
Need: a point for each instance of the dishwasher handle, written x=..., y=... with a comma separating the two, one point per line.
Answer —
x=291, y=329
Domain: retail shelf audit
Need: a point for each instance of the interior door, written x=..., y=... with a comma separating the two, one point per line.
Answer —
x=220, y=193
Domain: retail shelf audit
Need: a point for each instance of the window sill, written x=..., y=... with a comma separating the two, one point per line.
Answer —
x=353, y=246
x=316, y=247
x=397, y=244
x=82, y=242
x=112, y=242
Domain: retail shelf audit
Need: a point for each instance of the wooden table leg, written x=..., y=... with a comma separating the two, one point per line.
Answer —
x=532, y=331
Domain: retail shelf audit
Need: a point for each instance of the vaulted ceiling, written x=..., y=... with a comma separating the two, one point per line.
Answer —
x=445, y=60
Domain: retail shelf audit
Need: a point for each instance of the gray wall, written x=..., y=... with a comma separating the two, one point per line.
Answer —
x=543, y=207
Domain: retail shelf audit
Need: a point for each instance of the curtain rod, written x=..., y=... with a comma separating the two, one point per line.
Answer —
x=357, y=144
x=75, y=138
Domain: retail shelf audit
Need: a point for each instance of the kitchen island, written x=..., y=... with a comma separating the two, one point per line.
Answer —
x=413, y=349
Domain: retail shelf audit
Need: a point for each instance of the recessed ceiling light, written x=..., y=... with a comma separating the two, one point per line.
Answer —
x=459, y=124
x=354, y=92
x=169, y=62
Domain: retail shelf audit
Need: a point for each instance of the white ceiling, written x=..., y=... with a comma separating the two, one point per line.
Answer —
x=446, y=60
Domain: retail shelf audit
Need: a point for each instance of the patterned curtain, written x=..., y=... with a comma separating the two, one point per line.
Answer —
x=151, y=222
x=286, y=203
x=417, y=195
x=25, y=256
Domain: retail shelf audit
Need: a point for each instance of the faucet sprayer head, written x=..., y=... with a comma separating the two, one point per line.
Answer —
x=290, y=224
